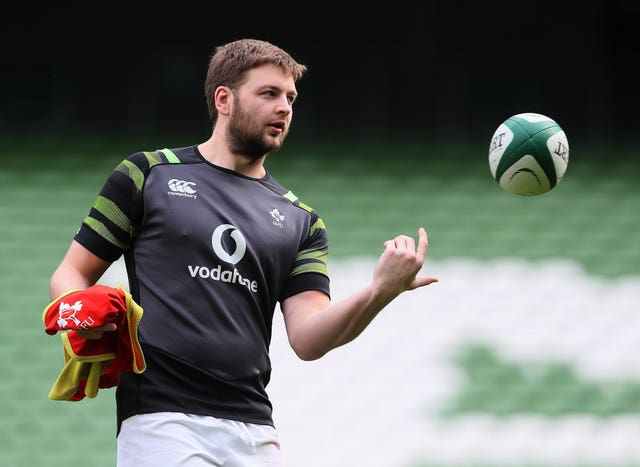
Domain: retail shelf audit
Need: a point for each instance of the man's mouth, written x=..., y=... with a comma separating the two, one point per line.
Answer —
x=277, y=126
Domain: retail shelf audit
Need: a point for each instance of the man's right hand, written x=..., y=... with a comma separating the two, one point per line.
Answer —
x=96, y=333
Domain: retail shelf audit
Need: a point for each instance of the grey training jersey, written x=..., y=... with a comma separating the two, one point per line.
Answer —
x=209, y=254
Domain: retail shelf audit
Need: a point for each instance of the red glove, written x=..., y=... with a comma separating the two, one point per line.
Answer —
x=85, y=308
x=94, y=363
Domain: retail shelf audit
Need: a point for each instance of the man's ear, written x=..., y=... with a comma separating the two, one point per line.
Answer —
x=223, y=99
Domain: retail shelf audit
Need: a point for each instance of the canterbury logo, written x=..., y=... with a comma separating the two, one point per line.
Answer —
x=182, y=188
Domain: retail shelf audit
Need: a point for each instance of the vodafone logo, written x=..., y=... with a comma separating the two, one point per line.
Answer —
x=232, y=256
x=218, y=247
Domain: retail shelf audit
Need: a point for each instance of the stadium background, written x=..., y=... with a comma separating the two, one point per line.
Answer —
x=523, y=354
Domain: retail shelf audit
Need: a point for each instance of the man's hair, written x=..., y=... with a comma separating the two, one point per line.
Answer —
x=230, y=62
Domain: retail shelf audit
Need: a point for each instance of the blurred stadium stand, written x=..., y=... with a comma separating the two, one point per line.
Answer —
x=436, y=70
x=590, y=220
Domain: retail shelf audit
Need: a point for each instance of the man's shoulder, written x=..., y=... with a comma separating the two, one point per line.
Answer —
x=185, y=154
x=146, y=160
x=291, y=197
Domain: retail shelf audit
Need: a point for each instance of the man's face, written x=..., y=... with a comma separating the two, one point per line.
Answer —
x=262, y=111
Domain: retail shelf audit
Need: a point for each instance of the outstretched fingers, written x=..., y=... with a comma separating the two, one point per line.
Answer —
x=401, y=242
x=423, y=242
x=423, y=246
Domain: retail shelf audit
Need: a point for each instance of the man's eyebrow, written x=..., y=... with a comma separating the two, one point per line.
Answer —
x=273, y=87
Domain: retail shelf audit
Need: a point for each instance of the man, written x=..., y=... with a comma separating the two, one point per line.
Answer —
x=212, y=243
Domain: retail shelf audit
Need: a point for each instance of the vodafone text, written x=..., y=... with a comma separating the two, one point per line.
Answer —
x=218, y=274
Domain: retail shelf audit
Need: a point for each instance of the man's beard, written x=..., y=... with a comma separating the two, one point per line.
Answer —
x=246, y=137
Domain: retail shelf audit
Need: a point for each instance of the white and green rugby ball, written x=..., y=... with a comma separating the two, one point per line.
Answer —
x=528, y=154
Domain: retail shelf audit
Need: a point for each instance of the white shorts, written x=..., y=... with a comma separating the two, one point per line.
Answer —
x=171, y=439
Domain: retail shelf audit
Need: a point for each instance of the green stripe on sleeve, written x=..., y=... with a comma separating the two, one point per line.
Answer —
x=154, y=158
x=318, y=225
x=100, y=228
x=294, y=199
x=305, y=207
x=311, y=261
x=112, y=212
x=133, y=172
x=290, y=196
x=319, y=255
x=171, y=157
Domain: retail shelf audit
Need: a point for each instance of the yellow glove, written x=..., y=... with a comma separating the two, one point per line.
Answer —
x=80, y=376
